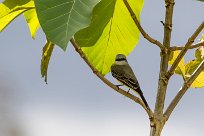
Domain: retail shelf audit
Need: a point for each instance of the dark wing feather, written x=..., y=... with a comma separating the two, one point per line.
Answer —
x=125, y=75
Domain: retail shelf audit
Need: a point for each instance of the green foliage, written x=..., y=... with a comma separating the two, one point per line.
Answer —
x=112, y=31
x=47, y=52
x=191, y=66
x=186, y=70
x=61, y=19
x=108, y=31
x=10, y=9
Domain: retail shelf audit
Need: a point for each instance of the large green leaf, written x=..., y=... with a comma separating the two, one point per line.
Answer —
x=111, y=32
x=190, y=67
x=10, y=9
x=180, y=69
x=61, y=19
x=32, y=21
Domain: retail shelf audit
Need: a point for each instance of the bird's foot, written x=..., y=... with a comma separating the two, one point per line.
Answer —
x=128, y=90
x=118, y=85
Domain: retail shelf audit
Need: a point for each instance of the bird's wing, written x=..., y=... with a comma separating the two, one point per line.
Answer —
x=125, y=75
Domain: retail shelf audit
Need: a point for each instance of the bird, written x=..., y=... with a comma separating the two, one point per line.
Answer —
x=122, y=71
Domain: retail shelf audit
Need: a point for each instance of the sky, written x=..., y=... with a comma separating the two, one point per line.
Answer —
x=75, y=102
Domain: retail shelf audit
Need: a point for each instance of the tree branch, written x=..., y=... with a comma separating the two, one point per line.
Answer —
x=163, y=82
x=191, y=47
x=144, y=34
x=184, y=50
x=183, y=90
x=107, y=82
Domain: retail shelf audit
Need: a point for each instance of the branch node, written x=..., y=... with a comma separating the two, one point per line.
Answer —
x=169, y=26
x=95, y=71
x=190, y=40
x=187, y=84
x=146, y=36
x=169, y=74
x=164, y=78
x=165, y=118
x=152, y=124
x=169, y=2
x=164, y=51
x=78, y=49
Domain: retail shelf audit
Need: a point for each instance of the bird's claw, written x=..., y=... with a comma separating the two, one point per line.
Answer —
x=128, y=90
x=118, y=85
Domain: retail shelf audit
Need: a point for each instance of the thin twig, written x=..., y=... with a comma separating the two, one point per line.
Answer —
x=174, y=48
x=184, y=50
x=183, y=90
x=145, y=35
x=107, y=82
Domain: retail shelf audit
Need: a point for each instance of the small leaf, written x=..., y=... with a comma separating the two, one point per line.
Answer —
x=199, y=53
x=47, y=52
x=10, y=9
x=190, y=67
x=180, y=69
x=32, y=21
x=61, y=19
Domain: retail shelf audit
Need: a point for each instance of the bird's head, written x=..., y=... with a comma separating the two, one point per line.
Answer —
x=120, y=57
x=120, y=60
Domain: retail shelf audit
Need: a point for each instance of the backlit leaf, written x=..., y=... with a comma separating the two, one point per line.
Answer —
x=112, y=31
x=10, y=9
x=190, y=68
x=32, y=21
x=180, y=69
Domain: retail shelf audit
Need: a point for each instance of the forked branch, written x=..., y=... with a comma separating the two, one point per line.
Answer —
x=107, y=82
x=183, y=90
x=194, y=46
x=184, y=50
x=144, y=34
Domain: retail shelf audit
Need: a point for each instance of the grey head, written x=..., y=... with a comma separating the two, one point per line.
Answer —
x=120, y=57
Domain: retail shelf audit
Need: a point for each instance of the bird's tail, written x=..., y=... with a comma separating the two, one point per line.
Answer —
x=139, y=91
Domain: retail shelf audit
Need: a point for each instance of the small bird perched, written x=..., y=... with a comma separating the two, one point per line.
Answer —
x=122, y=71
